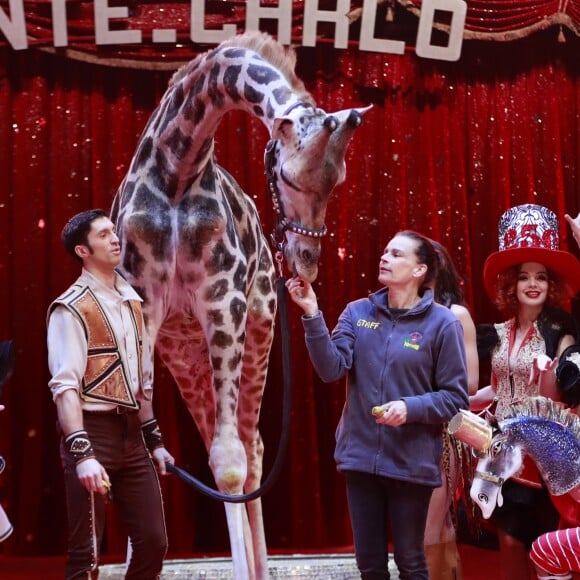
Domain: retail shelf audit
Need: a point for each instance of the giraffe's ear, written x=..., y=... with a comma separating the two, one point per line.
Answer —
x=283, y=129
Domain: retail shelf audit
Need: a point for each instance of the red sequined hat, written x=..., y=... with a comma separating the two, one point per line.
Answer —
x=529, y=233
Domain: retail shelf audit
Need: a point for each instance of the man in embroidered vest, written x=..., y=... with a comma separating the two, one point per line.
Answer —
x=101, y=368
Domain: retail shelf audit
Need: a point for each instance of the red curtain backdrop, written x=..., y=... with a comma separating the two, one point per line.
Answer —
x=445, y=150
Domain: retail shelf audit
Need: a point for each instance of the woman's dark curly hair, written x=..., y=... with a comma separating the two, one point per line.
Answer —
x=506, y=298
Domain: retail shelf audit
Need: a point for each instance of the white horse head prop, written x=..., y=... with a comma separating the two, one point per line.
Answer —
x=540, y=428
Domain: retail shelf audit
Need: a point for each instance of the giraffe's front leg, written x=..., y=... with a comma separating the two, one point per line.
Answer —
x=227, y=456
x=227, y=459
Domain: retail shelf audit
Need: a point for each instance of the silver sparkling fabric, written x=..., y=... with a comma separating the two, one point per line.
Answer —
x=298, y=567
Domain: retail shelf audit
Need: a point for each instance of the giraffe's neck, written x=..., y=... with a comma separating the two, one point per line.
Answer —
x=182, y=128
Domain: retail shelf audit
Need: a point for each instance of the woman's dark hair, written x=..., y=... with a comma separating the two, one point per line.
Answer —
x=506, y=298
x=448, y=285
x=426, y=254
x=76, y=231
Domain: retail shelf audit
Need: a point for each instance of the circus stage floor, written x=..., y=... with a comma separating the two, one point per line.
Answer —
x=478, y=564
x=297, y=566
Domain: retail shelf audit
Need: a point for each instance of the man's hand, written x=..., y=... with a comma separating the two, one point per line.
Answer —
x=161, y=456
x=93, y=476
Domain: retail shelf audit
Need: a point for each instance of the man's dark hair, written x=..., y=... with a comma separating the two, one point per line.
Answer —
x=76, y=230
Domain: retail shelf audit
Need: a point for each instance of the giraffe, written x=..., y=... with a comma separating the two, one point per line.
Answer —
x=193, y=247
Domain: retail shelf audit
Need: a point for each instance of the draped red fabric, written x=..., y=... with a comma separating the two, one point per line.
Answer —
x=445, y=150
x=506, y=20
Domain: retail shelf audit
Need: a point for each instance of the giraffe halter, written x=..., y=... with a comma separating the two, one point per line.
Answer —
x=284, y=223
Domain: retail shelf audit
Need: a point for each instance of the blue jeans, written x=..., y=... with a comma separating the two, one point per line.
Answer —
x=119, y=446
x=375, y=503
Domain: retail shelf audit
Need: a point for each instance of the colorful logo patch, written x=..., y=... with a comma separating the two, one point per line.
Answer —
x=413, y=341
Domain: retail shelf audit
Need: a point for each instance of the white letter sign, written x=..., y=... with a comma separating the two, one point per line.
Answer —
x=199, y=33
x=452, y=51
x=14, y=30
x=282, y=13
x=367, y=39
x=103, y=34
x=340, y=17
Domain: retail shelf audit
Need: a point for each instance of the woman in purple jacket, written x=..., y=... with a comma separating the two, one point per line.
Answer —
x=404, y=358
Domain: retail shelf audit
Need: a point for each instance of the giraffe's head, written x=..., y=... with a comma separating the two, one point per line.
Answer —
x=304, y=163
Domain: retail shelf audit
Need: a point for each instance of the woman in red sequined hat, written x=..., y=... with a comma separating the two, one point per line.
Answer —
x=529, y=279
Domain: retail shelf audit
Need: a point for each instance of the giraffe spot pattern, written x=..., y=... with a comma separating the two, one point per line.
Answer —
x=216, y=291
x=230, y=223
x=179, y=143
x=238, y=312
x=133, y=261
x=234, y=362
x=213, y=92
x=194, y=235
x=233, y=193
x=198, y=111
x=208, y=179
x=262, y=75
x=231, y=77
x=251, y=269
x=203, y=151
x=264, y=285
x=233, y=53
x=198, y=87
x=216, y=363
x=143, y=154
x=240, y=277
x=172, y=107
x=143, y=293
x=150, y=221
x=216, y=317
x=127, y=196
x=222, y=260
x=282, y=95
x=162, y=176
x=252, y=95
x=221, y=339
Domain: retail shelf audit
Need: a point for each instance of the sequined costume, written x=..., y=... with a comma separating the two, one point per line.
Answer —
x=527, y=510
x=511, y=383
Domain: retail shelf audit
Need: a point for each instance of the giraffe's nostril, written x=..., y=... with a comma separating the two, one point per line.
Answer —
x=354, y=119
x=331, y=123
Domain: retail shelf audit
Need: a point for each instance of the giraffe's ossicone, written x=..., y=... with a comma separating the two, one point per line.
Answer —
x=192, y=245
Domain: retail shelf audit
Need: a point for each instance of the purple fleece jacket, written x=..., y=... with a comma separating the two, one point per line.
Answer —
x=417, y=356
